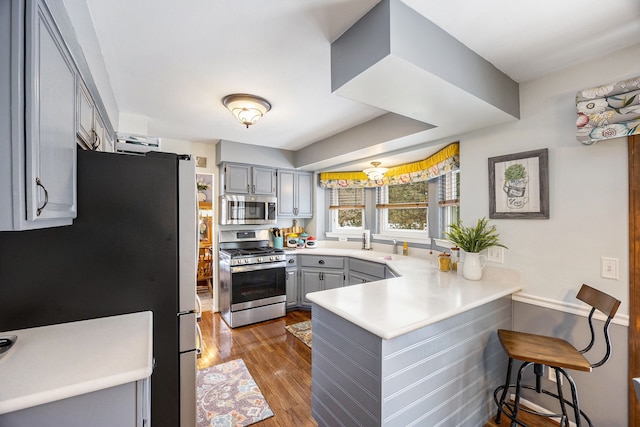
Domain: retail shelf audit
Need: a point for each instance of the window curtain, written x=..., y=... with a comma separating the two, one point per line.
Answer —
x=445, y=160
x=608, y=111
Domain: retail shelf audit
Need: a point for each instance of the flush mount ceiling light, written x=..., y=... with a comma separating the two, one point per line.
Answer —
x=375, y=173
x=246, y=108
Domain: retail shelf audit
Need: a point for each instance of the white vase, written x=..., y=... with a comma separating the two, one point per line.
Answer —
x=473, y=265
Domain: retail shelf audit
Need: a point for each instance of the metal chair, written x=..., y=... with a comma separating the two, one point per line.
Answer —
x=540, y=351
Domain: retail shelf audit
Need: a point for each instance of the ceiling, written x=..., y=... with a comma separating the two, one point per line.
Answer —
x=172, y=62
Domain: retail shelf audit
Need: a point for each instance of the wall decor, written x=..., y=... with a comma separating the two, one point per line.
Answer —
x=519, y=185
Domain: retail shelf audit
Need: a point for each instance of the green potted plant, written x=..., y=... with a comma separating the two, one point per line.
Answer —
x=472, y=240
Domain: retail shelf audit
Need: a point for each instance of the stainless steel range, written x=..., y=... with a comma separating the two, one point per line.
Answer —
x=252, y=278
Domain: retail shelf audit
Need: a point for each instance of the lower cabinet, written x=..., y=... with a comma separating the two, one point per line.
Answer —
x=127, y=405
x=292, y=287
x=361, y=271
x=319, y=273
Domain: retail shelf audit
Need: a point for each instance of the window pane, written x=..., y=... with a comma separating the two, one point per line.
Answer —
x=407, y=193
x=350, y=218
x=407, y=219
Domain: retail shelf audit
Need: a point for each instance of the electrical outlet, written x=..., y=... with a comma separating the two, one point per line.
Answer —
x=552, y=375
x=495, y=254
x=609, y=268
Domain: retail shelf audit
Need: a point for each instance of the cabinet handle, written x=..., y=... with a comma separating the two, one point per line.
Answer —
x=46, y=196
x=291, y=261
x=96, y=140
x=321, y=261
x=253, y=190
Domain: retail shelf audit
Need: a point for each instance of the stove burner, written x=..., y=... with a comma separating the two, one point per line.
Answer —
x=248, y=256
x=240, y=252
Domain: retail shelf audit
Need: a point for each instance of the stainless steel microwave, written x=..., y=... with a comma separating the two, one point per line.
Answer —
x=247, y=209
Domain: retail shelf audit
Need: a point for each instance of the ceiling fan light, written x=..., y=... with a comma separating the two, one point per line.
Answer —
x=246, y=108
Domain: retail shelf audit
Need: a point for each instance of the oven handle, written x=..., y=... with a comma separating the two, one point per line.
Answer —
x=255, y=267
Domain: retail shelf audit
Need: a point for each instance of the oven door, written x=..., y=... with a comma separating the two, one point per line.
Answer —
x=257, y=285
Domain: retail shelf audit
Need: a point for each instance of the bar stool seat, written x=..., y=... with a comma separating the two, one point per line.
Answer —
x=540, y=351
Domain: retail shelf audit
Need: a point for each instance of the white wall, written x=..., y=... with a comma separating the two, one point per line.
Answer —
x=588, y=186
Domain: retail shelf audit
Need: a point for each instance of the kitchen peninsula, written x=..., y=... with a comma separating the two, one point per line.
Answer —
x=420, y=349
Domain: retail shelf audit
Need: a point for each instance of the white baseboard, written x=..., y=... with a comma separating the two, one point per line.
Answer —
x=565, y=307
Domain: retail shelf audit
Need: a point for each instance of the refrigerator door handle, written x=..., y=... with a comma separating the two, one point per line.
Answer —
x=199, y=346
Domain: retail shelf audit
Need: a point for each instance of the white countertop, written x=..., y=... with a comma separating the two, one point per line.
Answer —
x=55, y=362
x=422, y=296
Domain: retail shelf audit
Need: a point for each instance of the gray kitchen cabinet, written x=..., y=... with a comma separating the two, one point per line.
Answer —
x=248, y=179
x=361, y=271
x=292, y=287
x=85, y=111
x=90, y=126
x=292, y=281
x=295, y=193
x=319, y=273
x=127, y=405
x=37, y=120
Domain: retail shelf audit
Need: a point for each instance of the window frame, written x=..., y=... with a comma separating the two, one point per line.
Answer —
x=334, y=228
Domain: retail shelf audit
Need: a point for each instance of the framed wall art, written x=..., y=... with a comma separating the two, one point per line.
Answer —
x=519, y=185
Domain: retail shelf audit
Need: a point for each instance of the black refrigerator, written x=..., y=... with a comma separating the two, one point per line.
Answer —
x=133, y=247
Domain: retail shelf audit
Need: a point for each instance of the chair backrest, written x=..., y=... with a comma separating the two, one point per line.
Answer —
x=608, y=305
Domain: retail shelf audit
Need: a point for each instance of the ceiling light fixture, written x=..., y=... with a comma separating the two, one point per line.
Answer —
x=375, y=173
x=246, y=108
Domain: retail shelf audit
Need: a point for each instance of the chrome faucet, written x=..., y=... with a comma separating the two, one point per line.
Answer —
x=395, y=246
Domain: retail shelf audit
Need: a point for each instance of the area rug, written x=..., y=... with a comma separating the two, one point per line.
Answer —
x=302, y=331
x=228, y=396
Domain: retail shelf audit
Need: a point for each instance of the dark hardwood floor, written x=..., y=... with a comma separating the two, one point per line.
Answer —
x=280, y=364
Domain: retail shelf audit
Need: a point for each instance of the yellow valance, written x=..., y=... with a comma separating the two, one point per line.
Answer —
x=445, y=160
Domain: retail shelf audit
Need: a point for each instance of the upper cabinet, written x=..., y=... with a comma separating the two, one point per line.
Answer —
x=37, y=120
x=295, y=194
x=247, y=179
x=91, y=130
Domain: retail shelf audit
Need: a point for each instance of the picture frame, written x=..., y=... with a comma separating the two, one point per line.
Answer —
x=519, y=185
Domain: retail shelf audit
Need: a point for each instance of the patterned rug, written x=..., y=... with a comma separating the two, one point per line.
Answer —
x=228, y=396
x=302, y=331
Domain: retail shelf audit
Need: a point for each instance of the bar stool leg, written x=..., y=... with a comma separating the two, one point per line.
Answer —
x=574, y=396
x=565, y=417
x=517, y=399
x=505, y=390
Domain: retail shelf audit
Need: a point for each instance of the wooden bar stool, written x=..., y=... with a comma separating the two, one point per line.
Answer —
x=540, y=351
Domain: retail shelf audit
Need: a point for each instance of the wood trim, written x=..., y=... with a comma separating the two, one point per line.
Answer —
x=402, y=205
x=338, y=207
x=634, y=275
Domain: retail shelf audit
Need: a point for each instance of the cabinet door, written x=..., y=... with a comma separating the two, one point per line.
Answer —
x=50, y=120
x=304, y=195
x=332, y=280
x=85, y=112
x=264, y=181
x=356, y=279
x=286, y=188
x=292, y=287
x=310, y=283
x=99, y=134
x=236, y=179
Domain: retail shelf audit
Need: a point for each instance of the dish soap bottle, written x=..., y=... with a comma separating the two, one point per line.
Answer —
x=405, y=249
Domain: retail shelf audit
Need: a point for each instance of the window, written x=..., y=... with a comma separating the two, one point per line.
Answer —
x=403, y=208
x=448, y=199
x=347, y=209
